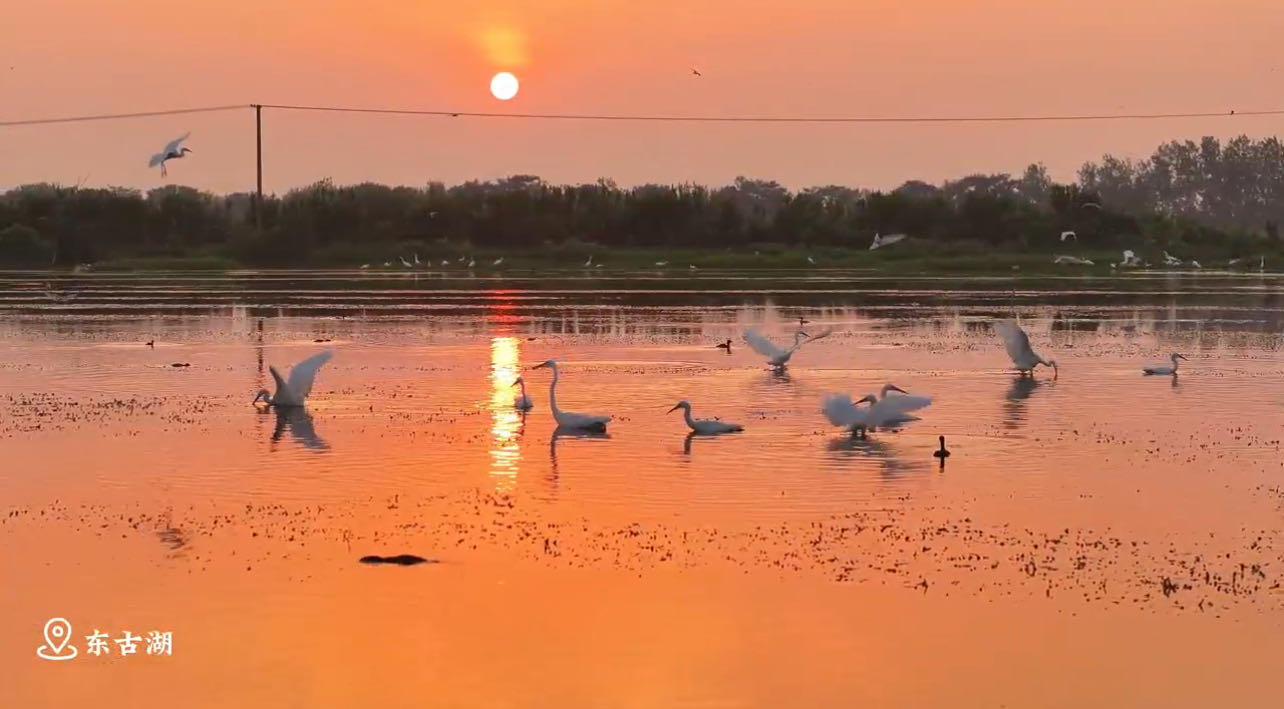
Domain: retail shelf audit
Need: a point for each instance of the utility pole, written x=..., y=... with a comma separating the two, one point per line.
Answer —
x=258, y=149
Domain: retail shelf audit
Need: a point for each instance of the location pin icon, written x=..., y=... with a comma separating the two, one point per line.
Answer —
x=57, y=634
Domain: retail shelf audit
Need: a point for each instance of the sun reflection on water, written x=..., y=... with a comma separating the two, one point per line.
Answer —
x=506, y=421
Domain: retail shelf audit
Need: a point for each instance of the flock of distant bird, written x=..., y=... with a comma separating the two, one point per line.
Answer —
x=890, y=408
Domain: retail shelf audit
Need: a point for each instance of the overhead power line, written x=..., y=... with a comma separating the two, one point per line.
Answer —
x=657, y=118
x=120, y=116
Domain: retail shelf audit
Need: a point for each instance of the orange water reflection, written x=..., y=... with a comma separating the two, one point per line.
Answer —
x=506, y=422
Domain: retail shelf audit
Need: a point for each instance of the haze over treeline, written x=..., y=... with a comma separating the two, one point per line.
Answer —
x=1205, y=198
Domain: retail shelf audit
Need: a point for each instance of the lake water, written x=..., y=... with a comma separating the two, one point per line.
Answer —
x=1097, y=539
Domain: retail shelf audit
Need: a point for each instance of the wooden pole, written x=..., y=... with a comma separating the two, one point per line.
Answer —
x=258, y=149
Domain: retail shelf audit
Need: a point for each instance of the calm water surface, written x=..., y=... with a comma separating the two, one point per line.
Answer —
x=1097, y=538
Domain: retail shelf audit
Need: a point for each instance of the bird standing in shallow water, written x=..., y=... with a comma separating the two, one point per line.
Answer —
x=522, y=402
x=705, y=426
x=725, y=346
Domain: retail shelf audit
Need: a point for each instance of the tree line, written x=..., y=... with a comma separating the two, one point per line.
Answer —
x=1204, y=198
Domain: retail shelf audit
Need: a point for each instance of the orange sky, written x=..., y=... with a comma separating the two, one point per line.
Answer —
x=767, y=57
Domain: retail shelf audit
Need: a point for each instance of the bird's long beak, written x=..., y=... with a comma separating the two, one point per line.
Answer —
x=516, y=382
x=800, y=332
x=1182, y=357
x=893, y=387
x=540, y=365
x=675, y=408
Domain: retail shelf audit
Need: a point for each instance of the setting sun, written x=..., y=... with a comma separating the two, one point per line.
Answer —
x=503, y=86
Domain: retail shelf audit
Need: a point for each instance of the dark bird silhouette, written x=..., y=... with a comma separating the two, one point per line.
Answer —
x=696, y=71
x=724, y=346
x=399, y=560
x=943, y=453
x=151, y=343
x=802, y=322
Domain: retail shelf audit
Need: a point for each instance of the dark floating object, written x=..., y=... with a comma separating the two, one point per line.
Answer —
x=322, y=339
x=802, y=321
x=151, y=343
x=943, y=453
x=181, y=364
x=725, y=346
x=399, y=560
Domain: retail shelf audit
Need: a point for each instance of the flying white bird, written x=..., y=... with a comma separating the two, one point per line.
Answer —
x=294, y=392
x=881, y=241
x=171, y=152
x=1069, y=235
x=522, y=402
x=776, y=356
x=1072, y=260
x=1017, y=344
x=1161, y=369
x=705, y=426
x=567, y=419
x=497, y=261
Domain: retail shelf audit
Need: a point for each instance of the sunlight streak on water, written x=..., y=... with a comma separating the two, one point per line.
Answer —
x=506, y=421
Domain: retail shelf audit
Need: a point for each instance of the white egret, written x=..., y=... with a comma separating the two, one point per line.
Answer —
x=661, y=264
x=171, y=152
x=365, y=266
x=842, y=411
x=416, y=255
x=1017, y=344
x=705, y=426
x=1069, y=235
x=1072, y=260
x=881, y=241
x=1170, y=260
x=472, y=262
x=776, y=356
x=405, y=263
x=811, y=260
x=294, y=392
x=567, y=419
x=692, y=267
x=444, y=262
x=589, y=262
x=522, y=402
x=1161, y=369
x=497, y=261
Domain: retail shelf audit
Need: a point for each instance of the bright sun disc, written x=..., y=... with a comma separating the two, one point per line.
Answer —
x=503, y=86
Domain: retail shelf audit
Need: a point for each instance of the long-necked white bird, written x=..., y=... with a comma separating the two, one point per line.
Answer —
x=1017, y=344
x=883, y=409
x=776, y=356
x=171, y=152
x=522, y=402
x=295, y=390
x=1161, y=369
x=704, y=426
x=567, y=419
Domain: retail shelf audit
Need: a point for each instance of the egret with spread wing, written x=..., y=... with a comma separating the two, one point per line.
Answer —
x=885, y=409
x=1017, y=344
x=171, y=152
x=567, y=419
x=776, y=356
x=295, y=390
x=704, y=426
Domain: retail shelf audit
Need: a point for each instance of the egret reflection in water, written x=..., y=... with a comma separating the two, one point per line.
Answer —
x=299, y=423
x=1014, y=406
x=507, y=423
x=890, y=463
